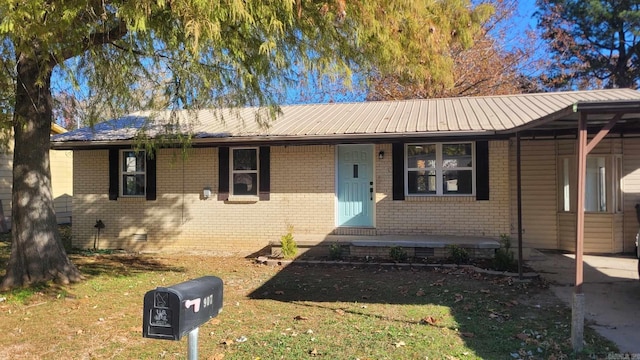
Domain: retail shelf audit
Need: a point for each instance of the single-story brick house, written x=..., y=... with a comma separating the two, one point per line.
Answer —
x=436, y=167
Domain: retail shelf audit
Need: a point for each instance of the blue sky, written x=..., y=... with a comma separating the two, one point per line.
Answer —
x=519, y=24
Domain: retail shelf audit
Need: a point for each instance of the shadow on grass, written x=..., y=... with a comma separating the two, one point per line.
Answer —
x=495, y=316
x=119, y=265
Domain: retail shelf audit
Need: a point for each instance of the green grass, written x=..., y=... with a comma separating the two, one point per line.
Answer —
x=295, y=312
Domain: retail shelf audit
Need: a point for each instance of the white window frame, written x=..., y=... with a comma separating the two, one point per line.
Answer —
x=612, y=178
x=439, y=168
x=123, y=172
x=232, y=172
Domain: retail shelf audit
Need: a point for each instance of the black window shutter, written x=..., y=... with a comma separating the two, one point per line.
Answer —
x=398, y=171
x=223, y=173
x=265, y=172
x=151, y=177
x=114, y=176
x=482, y=170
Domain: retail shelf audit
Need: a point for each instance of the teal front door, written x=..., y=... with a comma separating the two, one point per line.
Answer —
x=355, y=185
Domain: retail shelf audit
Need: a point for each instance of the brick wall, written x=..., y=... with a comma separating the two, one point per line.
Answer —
x=302, y=196
x=446, y=215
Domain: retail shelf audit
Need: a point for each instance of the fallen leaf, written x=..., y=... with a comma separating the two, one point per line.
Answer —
x=428, y=320
x=279, y=292
x=522, y=336
x=485, y=291
x=314, y=352
x=420, y=293
x=299, y=317
x=467, y=334
x=226, y=342
x=399, y=343
x=459, y=297
x=339, y=312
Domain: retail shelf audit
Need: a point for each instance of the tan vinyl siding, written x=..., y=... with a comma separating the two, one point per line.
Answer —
x=598, y=232
x=62, y=183
x=631, y=190
x=539, y=193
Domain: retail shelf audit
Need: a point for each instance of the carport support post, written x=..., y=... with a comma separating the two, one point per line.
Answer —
x=582, y=149
x=192, y=344
x=577, y=313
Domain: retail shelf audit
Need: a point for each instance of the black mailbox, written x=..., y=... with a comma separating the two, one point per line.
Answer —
x=171, y=312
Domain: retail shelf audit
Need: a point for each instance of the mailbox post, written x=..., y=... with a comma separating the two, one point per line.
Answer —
x=171, y=312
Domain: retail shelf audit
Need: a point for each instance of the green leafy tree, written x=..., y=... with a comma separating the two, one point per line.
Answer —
x=593, y=43
x=210, y=53
x=497, y=63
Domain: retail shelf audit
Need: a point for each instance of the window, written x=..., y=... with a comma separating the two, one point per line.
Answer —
x=244, y=171
x=602, y=184
x=440, y=169
x=133, y=173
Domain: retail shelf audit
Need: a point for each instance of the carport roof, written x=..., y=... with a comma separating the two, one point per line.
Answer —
x=368, y=121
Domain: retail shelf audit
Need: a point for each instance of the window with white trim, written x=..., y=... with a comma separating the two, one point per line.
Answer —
x=602, y=184
x=133, y=174
x=440, y=169
x=244, y=171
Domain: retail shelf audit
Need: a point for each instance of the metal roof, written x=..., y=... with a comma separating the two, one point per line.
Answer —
x=370, y=121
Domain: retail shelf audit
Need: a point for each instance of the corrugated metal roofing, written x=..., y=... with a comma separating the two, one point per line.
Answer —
x=423, y=117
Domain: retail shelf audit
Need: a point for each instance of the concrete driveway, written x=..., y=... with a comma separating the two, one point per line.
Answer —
x=611, y=288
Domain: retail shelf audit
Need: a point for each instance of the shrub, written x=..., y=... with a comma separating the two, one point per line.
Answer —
x=503, y=259
x=398, y=254
x=457, y=254
x=335, y=251
x=288, y=244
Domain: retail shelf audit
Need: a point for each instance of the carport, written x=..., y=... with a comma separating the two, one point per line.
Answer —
x=589, y=123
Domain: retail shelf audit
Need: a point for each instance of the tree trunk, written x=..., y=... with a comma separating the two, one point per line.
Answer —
x=37, y=253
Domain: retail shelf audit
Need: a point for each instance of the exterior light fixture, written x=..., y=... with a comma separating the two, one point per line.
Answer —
x=381, y=155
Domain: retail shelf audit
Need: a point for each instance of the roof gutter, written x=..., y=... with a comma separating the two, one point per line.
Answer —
x=608, y=107
x=281, y=139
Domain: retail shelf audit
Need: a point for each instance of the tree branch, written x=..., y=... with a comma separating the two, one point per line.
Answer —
x=116, y=32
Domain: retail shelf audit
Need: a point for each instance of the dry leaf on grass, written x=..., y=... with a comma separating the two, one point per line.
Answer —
x=339, y=312
x=428, y=320
x=399, y=344
x=279, y=292
x=467, y=334
x=300, y=317
x=420, y=293
x=314, y=352
x=522, y=336
x=459, y=297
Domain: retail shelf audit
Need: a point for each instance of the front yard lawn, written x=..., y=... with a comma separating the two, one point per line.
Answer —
x=293, y=312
